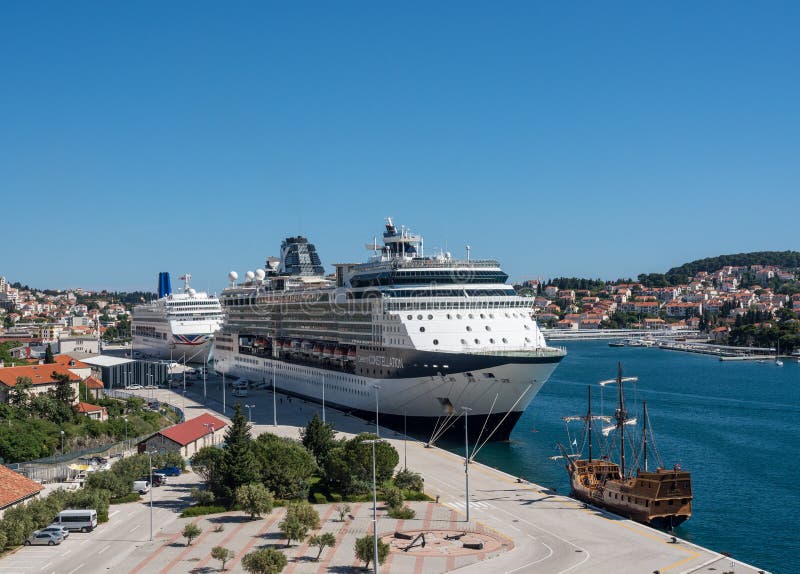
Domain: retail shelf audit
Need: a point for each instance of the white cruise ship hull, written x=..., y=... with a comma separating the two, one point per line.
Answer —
x=175, y=339
x=497, y=394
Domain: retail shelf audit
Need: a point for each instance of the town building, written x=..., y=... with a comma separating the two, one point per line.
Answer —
x=186, y=438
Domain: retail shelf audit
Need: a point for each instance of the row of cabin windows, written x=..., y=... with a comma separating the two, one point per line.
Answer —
x=469, y=316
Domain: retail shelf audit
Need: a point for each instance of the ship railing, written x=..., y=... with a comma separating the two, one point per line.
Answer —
x=422, y=303
x=420, y=263
x=517, y=351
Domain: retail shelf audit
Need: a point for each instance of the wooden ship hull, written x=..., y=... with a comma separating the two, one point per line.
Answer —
x=662, y=499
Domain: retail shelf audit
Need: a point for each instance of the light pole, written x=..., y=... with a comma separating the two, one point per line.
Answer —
x=250, y=413
x=405, y=441
x=377, y=427
x=466, y=456
x=184, y=387
x=274, y=399
x=62, y=442
x=323, y=396
x=374, y=506
x=150, y=454
x=223, y=391
x=205, y=370
x=126, y=433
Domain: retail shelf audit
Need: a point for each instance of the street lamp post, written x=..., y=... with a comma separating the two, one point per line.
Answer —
x=466, y=456
x=184, y=387
x=150, y=461
x=126, y=434
x=274, y=399
x=377, y=426
x=374, y=506
x=223, y=391
x=250, y=413
x=323, y=396
x=205, y=370
x=62, y=442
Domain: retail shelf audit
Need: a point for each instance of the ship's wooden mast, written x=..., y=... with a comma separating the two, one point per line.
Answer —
x=644, y=432
x=621, y=417
x=589, y=418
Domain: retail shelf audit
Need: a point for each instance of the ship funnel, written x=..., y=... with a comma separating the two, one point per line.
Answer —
x=164, y=285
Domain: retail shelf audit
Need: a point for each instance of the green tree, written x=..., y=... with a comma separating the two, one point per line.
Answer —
x=305, y=513
x=264, y=561
x=286, y=467
x=19, y=394
x=239, y=463
x=321, y=541
x=342, y=510
x=48, y=355
x=255, y=499
x=8, y=322
x=348, y=467
x=318, y=437
x=365, y=550
x=190, y=532
x=222, y=554
x=209, y=463
x=202, y=496
x=292, y=529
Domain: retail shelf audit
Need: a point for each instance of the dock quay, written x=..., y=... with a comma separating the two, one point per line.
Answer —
x=724, y=352
x=540, y=530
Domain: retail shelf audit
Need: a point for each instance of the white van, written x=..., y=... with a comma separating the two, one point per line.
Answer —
x=240, y=391
x=141, y=486
x=241, y=384
x=83, y=520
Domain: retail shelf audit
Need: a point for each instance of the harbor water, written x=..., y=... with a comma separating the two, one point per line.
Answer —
x=733, y=425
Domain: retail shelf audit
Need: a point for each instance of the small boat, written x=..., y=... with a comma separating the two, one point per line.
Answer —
x=660, y=498
x=616, y=344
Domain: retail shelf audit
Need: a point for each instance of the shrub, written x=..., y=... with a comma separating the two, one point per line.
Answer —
x=343, y=510
x=408, y=480
x=319, y=498
x=222, y=554
x=265, y=561
x=321, y=541
x=130, y=497
x=202, y=497
x=402, y=513
x=393, y=497
x=202, y=511
x=335, y=497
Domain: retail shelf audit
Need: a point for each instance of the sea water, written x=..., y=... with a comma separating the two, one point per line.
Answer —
x=734, y=425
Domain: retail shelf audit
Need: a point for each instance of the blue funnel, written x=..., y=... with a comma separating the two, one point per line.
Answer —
x=164, y=286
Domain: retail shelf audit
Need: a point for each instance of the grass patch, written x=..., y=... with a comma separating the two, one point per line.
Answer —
x=202, y=511
x=402, y=513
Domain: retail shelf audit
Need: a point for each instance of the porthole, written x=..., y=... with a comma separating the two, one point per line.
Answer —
x=477, y=341
x=506, y=314
x=410, y=317
x=491, y=341
x=463, y=341
x=469, y=328
x=420, y=317
x=422, y=329
x=430, y=317
x=449, y=316
x=483, y=316
x=515, y=315
x=458, y=316
x=471, y=316
x=505, y=340
x=527, y=339
x=491, y=316
x=436, y=341
x=527, y=327
x=488, y=328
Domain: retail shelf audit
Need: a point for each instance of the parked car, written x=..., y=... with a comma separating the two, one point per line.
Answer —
x=72, y=519
x=133, y=387
x=159, y=479
x=43, y=539
x=142, y=486
x=56, y=529
x=169, y=471
x=240, y=392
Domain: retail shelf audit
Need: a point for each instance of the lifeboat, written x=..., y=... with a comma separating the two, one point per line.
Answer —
x=328, y=352
x=351, y=354
x=339, y=353
x=317, y=350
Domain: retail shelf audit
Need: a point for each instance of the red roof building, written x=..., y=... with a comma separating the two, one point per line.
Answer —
x=187, y=437
x=92, y=411
x=15, y=488
x=41, y=377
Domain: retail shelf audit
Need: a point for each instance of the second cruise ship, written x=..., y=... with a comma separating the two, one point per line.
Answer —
x=420, y=339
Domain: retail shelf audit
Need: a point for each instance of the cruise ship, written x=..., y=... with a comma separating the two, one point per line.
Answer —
x=419, y=340
x=176, y=326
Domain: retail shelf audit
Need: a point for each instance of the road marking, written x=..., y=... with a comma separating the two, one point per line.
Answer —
x=104, y=549
x=542, y=559
x=67, y=552
x=113, y=513
x=134, y=528
x=84, y=541
x=45, y=566
x=76, y=569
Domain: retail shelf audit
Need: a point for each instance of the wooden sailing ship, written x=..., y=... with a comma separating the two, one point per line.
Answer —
x=661, y=498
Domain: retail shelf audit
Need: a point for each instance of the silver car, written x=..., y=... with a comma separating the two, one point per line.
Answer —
x=43, y=539
x=56, y=529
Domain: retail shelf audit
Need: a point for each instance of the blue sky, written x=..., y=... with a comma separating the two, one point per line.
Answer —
x=590, y=138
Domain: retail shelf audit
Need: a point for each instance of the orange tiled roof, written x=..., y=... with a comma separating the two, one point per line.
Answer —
x=65, y=360
x=193, y=429
x=89, y=408
x=14, y=487
x=38, y=374
x=93, y=382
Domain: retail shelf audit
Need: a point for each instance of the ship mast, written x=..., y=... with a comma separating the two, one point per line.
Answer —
x=644, y=432
x=589, y=418
x=621, y=416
